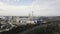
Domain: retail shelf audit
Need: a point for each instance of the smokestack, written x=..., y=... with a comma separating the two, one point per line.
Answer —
x=32, y=13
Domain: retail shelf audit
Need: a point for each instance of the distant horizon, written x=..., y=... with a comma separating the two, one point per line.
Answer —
x=37, y=16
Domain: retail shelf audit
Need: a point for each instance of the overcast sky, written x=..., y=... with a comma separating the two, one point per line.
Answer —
x=24, y=7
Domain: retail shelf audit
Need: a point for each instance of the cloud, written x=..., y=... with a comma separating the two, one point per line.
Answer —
x=17, y=10
x=40, y=8
x=18, y=2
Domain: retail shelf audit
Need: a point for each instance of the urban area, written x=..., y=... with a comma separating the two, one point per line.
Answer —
x=30, y=24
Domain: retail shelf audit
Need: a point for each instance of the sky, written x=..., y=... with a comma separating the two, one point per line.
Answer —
x=25, y=7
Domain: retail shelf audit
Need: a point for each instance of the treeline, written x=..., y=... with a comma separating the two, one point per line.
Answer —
x=19, y=29
x=50, y=29
x=46, y=30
